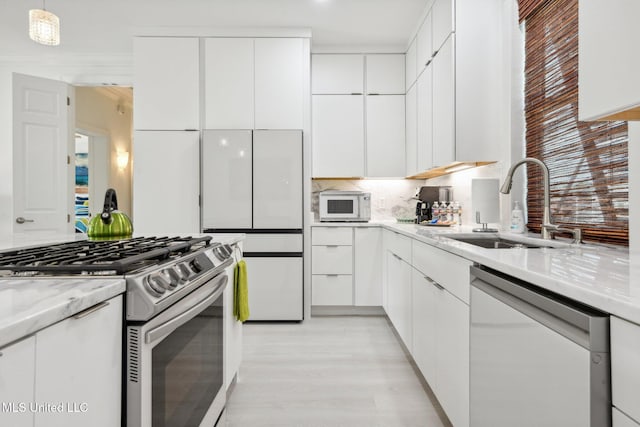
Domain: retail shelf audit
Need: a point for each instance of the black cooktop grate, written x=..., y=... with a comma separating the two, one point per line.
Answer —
x=98, y=257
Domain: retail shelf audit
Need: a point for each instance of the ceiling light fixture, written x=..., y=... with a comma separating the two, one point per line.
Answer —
x=44, y=27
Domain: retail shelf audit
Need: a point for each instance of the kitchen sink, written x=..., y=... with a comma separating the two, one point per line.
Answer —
x=495, y=242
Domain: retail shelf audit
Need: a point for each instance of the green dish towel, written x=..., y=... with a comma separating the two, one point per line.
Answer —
x=240, y=292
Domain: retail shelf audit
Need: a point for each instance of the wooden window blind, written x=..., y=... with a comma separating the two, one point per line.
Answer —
x=587, y=160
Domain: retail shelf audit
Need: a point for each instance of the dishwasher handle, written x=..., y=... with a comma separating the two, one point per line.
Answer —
x=587, y=328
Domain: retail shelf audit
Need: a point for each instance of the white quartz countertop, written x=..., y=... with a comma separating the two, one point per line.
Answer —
x=595, y=275
x=28, y=305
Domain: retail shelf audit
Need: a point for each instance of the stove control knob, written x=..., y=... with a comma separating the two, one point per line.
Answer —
x=172, y=277
x=184, y=272
x=156, y=284
x=196, y=266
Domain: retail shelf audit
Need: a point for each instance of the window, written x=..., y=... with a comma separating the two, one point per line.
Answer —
x=587, y=160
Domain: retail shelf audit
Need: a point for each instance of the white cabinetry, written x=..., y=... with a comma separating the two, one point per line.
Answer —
x=279, y=83
x=424, y=116
x=232, y=331
x=625, y=367
x=411, y=136
x=79, y=362
x=338, y=136
x=17, y=379
x=166, y=184
x=340, y=116
x=444, y=134
x=385, y=136
x=443, y=20
x=228, y=83
x=385, y=74
x=339, y=74
x=399, y=297
x=332, y=266
x=425, y=327
x=166, y=78
x=424, y=39
x=609, y=63
x=367, y=266
x=621, y=420
x=410, y=65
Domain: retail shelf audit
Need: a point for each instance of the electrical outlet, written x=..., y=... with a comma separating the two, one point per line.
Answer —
x=381, y=203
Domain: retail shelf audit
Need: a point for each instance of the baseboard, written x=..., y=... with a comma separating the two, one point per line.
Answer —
x=346, y=310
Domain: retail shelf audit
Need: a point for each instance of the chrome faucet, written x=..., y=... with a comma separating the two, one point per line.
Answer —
x=547, y=227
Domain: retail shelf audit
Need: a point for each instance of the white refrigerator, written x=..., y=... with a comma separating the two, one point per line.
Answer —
x=252, y=183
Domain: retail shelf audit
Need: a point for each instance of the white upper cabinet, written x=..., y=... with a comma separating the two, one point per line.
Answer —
x=337, y=74
x=411, y=137
x=424, y=48
x=279, y=83
x=228, y=83
x=385, y=74
x=166, y=184
x=424, y=117
x=166, y=81
x=410, y=65
x=608, y=60
x=385, y=136
x=443, y=21
x=338, y=136
x=444, y=104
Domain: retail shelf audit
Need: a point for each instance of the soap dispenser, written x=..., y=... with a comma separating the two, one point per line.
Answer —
x=517, y=219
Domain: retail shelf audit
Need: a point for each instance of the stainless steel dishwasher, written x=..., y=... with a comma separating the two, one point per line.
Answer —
x=536, y=358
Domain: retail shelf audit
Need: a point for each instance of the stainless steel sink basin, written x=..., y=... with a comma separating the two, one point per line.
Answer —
x=495, y=242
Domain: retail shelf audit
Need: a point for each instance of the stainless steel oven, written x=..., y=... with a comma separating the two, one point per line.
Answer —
x=175, y=362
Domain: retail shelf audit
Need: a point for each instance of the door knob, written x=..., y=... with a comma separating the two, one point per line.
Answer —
x=21, y=220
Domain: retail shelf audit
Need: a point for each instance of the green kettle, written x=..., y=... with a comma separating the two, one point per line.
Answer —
x=110, y=224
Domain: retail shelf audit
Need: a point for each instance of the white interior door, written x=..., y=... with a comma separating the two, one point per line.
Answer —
x=41, y=144
x=226, y=179
x=277, y=179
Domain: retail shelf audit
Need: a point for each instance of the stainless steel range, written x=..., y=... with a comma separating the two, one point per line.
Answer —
x=173, y=318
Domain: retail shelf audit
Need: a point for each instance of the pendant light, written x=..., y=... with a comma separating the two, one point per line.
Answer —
x=44, y=27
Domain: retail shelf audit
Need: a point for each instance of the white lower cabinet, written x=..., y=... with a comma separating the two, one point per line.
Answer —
x=367, y=266
x=232, y=333
x=17, y=378
x=399, y=297
x=78, y=363
x=625, y=367
x=424, y=302
x=332, y=289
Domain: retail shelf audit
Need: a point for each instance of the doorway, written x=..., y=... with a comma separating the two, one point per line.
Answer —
x=92, y=166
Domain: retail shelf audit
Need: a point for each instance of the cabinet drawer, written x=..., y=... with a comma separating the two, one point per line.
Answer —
x=340, y=236
x=332, y=289
x=450, y=271
x=625, y=366
x=331, y=260
x=398, y=244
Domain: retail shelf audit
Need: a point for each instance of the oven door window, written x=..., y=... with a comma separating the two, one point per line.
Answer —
x=346, y=207
x=188, y=371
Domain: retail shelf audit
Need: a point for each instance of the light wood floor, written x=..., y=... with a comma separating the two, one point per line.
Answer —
x=328, y=372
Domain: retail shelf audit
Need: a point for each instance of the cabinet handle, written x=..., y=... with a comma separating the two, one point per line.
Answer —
x=373, y=94
x=90, y=310
x=332, y=246
x=331, y=275
x=396, y=256
x=427, y=64
x=356, y=93
x=435, y=52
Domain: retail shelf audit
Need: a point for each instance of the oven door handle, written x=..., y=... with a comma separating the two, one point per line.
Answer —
x=166, y=328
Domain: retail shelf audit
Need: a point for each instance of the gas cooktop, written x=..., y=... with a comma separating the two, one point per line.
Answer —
x=112, y=257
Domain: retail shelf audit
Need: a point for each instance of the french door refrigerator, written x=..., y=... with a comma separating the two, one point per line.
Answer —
x=252, y=183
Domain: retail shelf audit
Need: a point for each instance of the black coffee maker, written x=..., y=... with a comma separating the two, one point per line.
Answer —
x=426, y=196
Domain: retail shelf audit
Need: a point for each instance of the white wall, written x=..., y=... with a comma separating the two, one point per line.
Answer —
x=77, y=69
x=96, y=112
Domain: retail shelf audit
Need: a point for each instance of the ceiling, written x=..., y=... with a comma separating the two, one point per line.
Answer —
x=106, y=26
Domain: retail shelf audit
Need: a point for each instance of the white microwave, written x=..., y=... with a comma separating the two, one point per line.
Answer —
x=351, y=206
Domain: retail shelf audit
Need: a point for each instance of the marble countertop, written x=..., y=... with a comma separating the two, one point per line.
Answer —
x=28, y=305
x=595, y=275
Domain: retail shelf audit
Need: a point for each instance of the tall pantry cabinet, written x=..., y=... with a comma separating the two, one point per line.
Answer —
x=183, y=85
